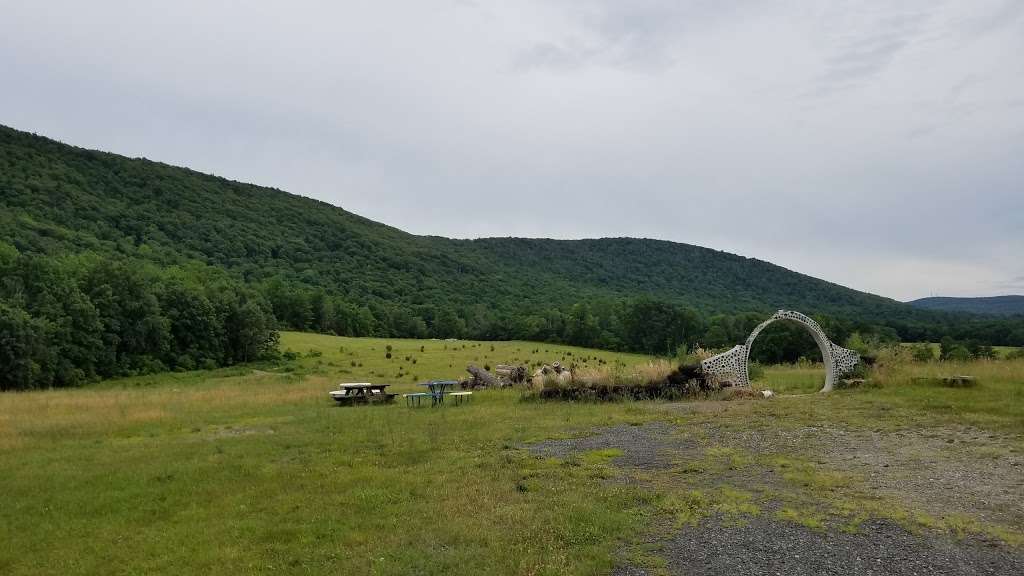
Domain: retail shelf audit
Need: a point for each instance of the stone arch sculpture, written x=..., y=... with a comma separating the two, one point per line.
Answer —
x=734, y=363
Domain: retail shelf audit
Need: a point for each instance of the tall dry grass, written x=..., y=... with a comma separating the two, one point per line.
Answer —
x=612, y=382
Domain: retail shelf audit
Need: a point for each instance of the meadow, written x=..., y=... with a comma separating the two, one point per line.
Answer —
x=253, y=469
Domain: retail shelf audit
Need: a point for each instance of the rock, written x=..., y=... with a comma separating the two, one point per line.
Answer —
x=851, y=383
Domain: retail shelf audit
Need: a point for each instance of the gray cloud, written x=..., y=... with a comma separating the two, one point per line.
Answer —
x=1011, y=284
x=874, y=145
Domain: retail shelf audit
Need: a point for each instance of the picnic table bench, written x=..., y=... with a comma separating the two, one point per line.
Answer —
x=362, y=393
x=460, y=397
x=437, y=393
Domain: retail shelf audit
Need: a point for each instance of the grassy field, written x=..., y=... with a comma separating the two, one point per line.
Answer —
x=253, y=469
x=908, y=389
x=256, y=471
x=1001, y=351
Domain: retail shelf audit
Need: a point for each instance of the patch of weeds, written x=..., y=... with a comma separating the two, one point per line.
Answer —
x=728, y=458
x=804, y=474
x=601, y=456
x=808, y=517
x=961, y=526
x=715, y=461
x=649, y=558
x=734, y=503
x=685, y=508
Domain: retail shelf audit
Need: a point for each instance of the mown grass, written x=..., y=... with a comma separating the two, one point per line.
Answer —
x=254, y=470
x=242, y=471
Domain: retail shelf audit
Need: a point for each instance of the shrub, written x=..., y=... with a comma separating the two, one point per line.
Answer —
x=922, y=353
x=756, y=371
x=958, y=354
x=185, y=362
x=290, y=355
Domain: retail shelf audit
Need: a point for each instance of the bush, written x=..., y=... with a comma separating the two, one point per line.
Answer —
x=861, y=371
x=290, y=355
x=185, y=363
x=958, y=354
x=922, y=353
x=755, y=370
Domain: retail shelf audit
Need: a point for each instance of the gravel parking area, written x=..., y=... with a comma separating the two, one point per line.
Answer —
x=942, y=471
x=768, y=546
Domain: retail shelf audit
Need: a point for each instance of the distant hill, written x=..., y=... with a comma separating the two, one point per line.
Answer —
x=997, y=305
x=58, y=200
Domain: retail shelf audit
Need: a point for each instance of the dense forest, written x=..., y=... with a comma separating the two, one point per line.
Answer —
x=997, y=305
x=116, y=266
x=65, y=321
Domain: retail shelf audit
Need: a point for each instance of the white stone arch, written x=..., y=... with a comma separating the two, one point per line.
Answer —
x=735, y=363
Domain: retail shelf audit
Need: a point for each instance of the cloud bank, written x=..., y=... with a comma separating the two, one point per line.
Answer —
x=874, y=144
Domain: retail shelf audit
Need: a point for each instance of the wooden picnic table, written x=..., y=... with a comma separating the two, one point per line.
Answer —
x=362, y=393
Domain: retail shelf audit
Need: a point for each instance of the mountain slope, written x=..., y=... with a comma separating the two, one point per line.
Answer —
x=57, y=199
x=997, y=305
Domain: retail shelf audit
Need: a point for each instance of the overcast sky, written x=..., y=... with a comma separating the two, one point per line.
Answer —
x=879, y=145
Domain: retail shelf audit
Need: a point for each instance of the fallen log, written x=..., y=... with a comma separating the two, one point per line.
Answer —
x=482, y=378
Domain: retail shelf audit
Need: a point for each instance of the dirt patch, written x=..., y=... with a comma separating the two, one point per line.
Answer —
x=653, y=446
x=233, y=432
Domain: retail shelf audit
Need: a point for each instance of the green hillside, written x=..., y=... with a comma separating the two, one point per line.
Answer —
x=320, y=268
x=58, y=199
x=997, y=305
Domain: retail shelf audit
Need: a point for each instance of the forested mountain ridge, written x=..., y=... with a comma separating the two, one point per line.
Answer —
x=997, y=305
x=245, y=252
x=58, y=198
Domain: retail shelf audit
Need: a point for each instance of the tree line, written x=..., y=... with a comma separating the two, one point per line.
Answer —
x=643, y=324
x=67, y=321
